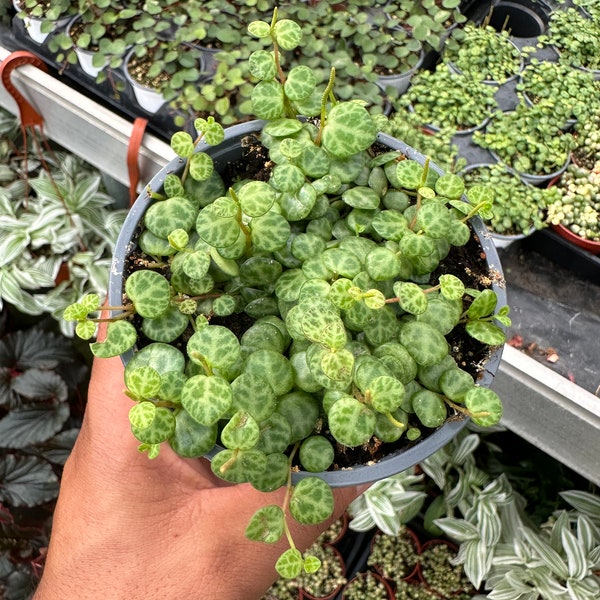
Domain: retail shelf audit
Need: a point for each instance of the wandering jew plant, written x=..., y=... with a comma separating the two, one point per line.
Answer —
x=289, y=316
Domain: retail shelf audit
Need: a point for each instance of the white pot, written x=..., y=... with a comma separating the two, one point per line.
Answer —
x=33, y=26
x=148, y=98
x=400, y=82
x=85, y=57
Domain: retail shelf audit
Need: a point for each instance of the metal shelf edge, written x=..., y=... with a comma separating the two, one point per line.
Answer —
x=550, y=411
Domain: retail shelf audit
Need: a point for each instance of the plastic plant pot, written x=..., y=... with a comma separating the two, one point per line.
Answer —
x=370, y=583
x=522, y=18
x=400, y=82
x=452, y=580
x=305, y=593
x=403, y=552
x=395, y=462
x=85, y=57
x=33, y=26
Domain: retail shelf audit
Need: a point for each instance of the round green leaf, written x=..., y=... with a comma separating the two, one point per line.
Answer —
x=424, y=342
x=349, y=130
x=288, y=34
x=266, y=525
x=207, y=399
x=300, y=83
x=316, y=454
x=256, y=198
x=484, y=406
x=215, y=346
x=241, y=431
x=149, y=291
x=429, y=408
x=351, y=423
x=120, y=337
x=311, y=501
x=201, y=166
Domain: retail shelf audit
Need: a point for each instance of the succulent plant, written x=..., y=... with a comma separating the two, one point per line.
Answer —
x=366, y=585
x=577, y=205
x=575, y=37
x=573, y=94
x=395, y=556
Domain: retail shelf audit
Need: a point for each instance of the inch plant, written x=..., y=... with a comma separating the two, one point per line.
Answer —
x=301, y=313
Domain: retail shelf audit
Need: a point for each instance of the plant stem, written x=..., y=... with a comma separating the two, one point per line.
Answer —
x=326, y=95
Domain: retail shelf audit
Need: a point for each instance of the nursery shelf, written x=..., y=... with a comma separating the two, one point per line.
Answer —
x=84, y=127
x=541, y=406
x=551, y=412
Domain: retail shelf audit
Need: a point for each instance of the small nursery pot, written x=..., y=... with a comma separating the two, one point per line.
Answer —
x=573, y=238
x=405, y=571
x=401, y=81
x=589, y=245
x=148, y=98
x=378, y=588
x=229, y=151
x=523, y=18
x=305, y=594
x=433, y=546
x=85, y=57
x=33, y=25
x=535, y=178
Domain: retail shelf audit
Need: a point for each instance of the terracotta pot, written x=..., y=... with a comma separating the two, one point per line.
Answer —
x=307, y=595
x=422, y=572
x=573, y=238
x=376, y=579
x=407, y=572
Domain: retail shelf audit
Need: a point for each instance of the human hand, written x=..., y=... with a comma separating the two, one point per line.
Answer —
x=126, y=527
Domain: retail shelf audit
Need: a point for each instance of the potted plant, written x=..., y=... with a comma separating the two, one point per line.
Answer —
x=242, y=258
x=439, y=145
x=99, y=37
x=327, y=582
x=587, y=142
x=395, y=557
x=159, y=73
x=485, y=53
x=438, y=571
x=429, y=21
x=572, y=92
x=363, y=43
x=443, y=99
x=367, y=585
x=574, y=36
x=575, y=213
x=519, y=208
x=528, y=139
x=554, y=560
x=41, y=17
x=57, y=227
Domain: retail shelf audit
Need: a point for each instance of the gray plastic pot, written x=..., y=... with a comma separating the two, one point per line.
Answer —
x=230, y=150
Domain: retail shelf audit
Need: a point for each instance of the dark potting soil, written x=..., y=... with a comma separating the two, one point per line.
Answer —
x=466, y=262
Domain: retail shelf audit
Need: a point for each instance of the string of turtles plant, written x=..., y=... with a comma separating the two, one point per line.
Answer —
x=330, y=262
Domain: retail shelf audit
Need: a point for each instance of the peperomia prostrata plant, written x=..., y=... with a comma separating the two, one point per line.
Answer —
x=281, y=318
